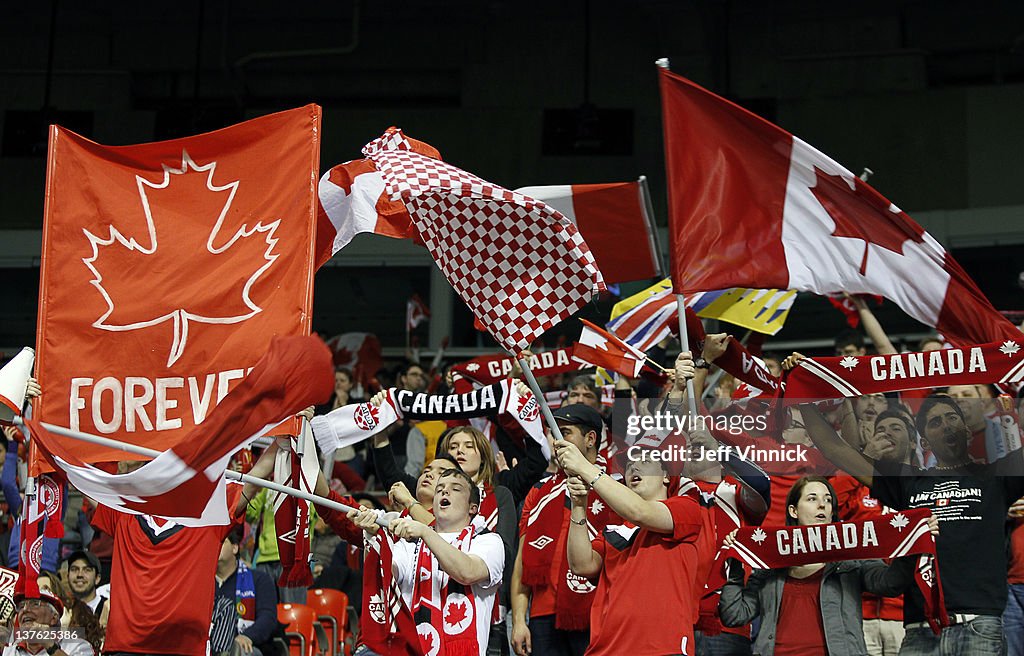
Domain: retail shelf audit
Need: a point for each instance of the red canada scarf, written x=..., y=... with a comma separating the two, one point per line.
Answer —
x=291, y=515
x=545, y=524
x=723, y=502
x=488, y=512
x=849, y=376
x=387, y=626
x=892, y=536
x=444, y=610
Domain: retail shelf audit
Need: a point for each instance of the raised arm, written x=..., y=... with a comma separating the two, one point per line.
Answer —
x=835, y=448
x=652, y=515
x=387, y=466
x=264, y=468
x=831, y=445
x=739, y=603
x=873, y=329
x=466, y=568
x=9, y=476
x=583, y=560
x=522, y=476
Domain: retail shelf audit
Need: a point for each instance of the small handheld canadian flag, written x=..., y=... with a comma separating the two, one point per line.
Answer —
x=603, y=349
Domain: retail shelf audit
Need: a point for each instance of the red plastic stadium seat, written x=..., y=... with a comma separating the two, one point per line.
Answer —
x=301, y=630
x=331, y=607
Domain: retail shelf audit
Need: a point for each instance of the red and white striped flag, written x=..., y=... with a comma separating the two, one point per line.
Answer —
x=614, y=220
x=784, y=215
x=602, y=349
x=519, y=265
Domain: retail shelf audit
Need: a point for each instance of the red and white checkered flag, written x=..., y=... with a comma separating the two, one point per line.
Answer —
x=519, y=265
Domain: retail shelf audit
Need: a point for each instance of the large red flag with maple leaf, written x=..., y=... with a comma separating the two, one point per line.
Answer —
x=751, y=205
x=166, y=269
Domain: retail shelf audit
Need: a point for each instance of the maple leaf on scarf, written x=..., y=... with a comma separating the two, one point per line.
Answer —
x=846, y=206
x=456, y=613
x=849, y=362
x=899, y=521
x=146, y=283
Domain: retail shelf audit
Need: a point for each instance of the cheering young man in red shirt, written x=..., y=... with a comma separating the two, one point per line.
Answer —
x=653, y=556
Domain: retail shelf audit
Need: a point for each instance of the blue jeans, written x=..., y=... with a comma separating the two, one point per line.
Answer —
x=723, y=644
x=980, y=636
x=549, y=641
x=1013, y=620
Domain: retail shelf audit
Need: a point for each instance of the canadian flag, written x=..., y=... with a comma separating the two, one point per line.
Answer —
x=602, y=349
x=416, y=312
x=615, y=221
x=358, y=352
x=769, y=210
x=352, y=200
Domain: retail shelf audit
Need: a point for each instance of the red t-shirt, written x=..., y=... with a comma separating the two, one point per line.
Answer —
x=161, y=582
x=646, y=574
x=800, y=630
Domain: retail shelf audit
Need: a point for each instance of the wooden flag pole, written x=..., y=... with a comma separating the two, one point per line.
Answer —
x=245, y=478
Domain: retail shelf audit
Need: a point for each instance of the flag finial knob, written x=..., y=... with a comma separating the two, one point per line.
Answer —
x=662, y=63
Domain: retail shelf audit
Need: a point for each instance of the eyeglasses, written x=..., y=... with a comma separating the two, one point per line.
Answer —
x=33, y=603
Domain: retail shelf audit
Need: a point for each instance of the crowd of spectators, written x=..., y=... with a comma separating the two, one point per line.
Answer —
x=588, y=551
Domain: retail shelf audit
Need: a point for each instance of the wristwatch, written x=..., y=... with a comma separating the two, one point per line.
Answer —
x=701, y=363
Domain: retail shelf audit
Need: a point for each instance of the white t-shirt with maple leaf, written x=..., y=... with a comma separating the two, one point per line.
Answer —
x=488, y=547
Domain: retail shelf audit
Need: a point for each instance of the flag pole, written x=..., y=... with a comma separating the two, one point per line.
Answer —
x=654, y=365
x=684, y=341
x=535, y=388
x=152, y=453
x=684, y=338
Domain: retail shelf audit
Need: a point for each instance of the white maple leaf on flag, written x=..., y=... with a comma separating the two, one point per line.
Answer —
x=1009, y=348
x=759, y=535
x=145, y=285
x=899, y=521
x=849, y=362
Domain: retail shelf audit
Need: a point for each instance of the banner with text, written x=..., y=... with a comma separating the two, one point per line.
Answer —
x=166, y=270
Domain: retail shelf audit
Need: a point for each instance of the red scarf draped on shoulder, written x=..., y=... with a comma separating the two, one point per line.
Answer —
x=546, y=527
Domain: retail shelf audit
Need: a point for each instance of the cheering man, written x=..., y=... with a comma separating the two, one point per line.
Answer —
x=448, y=575
x=970, y=501
x=654, y=555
